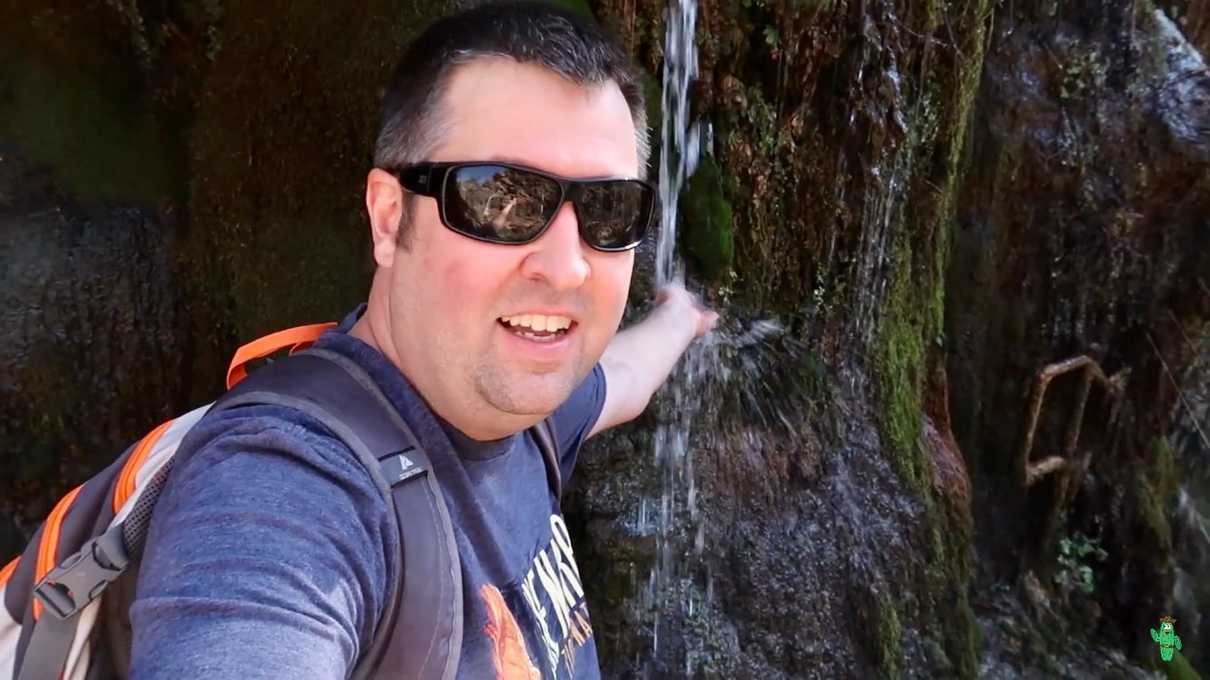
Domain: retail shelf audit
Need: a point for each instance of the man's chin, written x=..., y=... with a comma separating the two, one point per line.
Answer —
x=531, y=395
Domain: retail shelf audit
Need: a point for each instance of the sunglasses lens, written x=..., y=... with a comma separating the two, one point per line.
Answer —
x=509, y=205
x=499, y=204
x=614, y=213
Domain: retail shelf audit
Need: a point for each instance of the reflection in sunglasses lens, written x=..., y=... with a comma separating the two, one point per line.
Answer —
x=509, y=205
x=501, y=203
x=611, y=211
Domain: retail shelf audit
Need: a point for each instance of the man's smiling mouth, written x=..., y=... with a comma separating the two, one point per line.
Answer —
x=538, y=327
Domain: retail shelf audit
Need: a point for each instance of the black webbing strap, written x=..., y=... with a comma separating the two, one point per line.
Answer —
x=424, y=638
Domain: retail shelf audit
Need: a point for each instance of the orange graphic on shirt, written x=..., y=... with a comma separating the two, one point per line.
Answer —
x=509, y=653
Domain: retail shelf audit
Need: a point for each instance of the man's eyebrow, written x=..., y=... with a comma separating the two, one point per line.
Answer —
x=503, y=158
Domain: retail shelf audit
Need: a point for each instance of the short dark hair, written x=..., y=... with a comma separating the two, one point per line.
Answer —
x=567, y=43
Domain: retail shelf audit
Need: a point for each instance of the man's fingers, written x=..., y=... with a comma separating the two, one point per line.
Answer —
x=707, y=319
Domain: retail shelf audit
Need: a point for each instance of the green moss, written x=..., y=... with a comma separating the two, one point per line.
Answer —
x=92, y=131
x=580, y=6
x=949, y=573
x=813, y=5
x=654, y=95
x=1180, y=669
x=1157, y=484
x=901, y=372
x=707, y=221
x=757, y=147
x=910, y=337
x=916, y=303
x=889, y=634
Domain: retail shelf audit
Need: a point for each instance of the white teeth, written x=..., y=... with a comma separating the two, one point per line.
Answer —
x=538, y=322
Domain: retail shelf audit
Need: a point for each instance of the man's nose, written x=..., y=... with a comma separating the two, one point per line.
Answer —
x=558, y=256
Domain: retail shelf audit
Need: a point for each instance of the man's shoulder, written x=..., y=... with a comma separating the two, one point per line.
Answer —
x=262, y=422
x=266, y=440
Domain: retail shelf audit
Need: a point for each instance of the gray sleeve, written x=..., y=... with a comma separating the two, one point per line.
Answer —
x=266, y=557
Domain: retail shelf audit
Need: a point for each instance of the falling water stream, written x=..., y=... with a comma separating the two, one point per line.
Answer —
x=680, y=138
x=741, y=357
x=680, y=147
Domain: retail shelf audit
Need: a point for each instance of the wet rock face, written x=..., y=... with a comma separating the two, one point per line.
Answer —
x=1081, y=231
x=90, y=343
x=1190, y=442
x=797, y=560
x=90, y=310
x=1192, y=17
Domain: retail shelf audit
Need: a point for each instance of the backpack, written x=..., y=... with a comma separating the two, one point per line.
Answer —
x=67, y=617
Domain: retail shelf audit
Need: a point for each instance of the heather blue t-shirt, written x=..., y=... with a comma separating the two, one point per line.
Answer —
x=269, y=551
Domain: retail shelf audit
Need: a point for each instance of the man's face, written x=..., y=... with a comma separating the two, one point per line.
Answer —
x=449, y=293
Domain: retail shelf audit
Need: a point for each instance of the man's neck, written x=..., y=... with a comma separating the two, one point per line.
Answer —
x=373, y=329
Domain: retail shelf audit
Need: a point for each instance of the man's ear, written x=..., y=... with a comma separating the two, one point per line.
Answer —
x=384, y=204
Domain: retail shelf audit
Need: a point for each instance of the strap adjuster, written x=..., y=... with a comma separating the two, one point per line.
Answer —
x=82, y=578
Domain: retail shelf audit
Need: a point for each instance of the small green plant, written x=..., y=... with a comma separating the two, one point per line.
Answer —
x=772, y=36
x=1083, y=75
x=1076, y=553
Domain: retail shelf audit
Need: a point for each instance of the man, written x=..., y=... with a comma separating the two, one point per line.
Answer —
x=268, y=550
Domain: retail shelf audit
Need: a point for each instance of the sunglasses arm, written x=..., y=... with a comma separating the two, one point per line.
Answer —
x=422, y=180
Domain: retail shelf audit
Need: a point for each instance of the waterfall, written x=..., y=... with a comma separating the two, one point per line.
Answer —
x=680, y=145
x=680, y=140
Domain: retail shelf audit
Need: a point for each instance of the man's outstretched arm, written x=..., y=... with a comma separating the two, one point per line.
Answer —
x=267, y=555
x=639, y=359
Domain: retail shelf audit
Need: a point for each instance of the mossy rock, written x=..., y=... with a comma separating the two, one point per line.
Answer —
x=580, y=6
x=653, y=92
x=890, y=638
x=1157, y=486
x=706, y=224
x=93, y=131
x=1180, y=668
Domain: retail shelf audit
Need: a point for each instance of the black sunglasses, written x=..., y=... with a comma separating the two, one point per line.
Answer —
x=512, y=204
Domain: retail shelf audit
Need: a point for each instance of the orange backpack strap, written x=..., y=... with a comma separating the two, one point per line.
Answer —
x=296, y=339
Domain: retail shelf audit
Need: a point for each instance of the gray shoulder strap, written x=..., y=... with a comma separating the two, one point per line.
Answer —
x=420, y=632
x=48, y=647
x=544, y=433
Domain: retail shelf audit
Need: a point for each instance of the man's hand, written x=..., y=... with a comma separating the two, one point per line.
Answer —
x=640, y=358
x=681, y=301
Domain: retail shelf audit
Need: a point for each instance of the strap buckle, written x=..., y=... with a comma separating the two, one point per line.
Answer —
x=81, y=578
